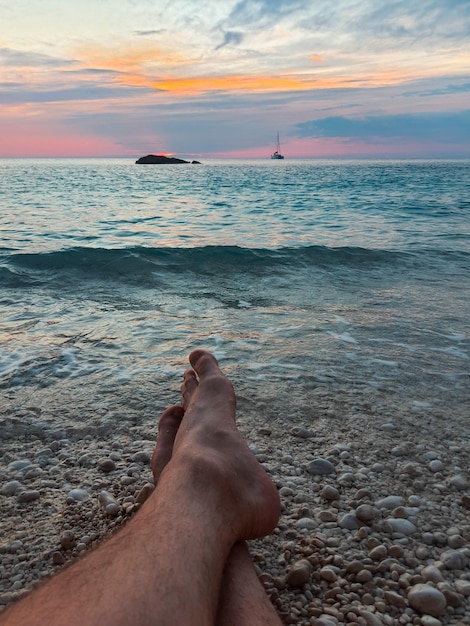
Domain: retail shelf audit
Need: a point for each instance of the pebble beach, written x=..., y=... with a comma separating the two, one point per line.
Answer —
x=375, y=523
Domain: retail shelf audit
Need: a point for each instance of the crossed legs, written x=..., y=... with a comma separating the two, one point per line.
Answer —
x=181, y=559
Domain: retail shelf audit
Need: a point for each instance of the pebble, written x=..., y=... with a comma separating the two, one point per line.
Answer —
x=79, y=495
x=108, y=503
x=320, y=466
x=432, y=573
x=141, y=457
x=349, y=521
x=428, y=620
x=366, y=513
x=329, y=493
x=299, y=573
x=11, y=488
x=28, y=496
x=144, y=493
x=301, y=432
x=328, y=574
x=436, y=465
x=306, y=522
x=106, y=465
x=427, y=599
x=453, y=559
x=68, y=540
x=378, y=553
x=459, y=482
x=390, y=502
x=462, y=586
x=398, y=525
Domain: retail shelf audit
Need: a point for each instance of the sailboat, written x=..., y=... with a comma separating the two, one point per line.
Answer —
x=277, y=154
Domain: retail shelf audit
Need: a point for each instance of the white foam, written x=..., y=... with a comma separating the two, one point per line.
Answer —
x=346, y=337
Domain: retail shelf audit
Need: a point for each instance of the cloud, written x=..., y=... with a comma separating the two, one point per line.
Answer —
x=447, y=127
x=11, y=57
x=20, y=95
x=231, y=38
x=442, y=91
x=263, y=13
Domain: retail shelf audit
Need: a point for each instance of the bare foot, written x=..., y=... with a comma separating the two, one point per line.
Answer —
x=208, y=443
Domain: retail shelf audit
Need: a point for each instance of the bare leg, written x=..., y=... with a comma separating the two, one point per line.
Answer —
x=165, y=567
x=242, y=600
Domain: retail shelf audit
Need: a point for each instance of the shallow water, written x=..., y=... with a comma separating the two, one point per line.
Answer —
x=300, y=273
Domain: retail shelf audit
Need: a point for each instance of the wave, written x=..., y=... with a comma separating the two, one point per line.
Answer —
x=141, y=264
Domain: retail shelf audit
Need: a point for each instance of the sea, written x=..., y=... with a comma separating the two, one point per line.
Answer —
x=298, y=274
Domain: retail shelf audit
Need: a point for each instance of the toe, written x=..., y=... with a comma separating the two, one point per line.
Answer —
x=204, y=363
x=168, y=425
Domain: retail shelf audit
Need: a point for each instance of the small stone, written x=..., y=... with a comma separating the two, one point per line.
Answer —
x=301, y=432
x=320, y=466
x=436, y=465
x=396, y=552
x=366, y=513
x=364, y=576
x=371, y=619
x=58, y=558
x=378, y=553
x=109, y=504
x=328, y=574
x=428, y=620
x=299, y=573
x=329, y=493
x=453, y=559
x=390, y=502
x=19, y=464
x=79, y=495
x=459, y=482
x=141, y=457
x=11, y=488
x=28, y=496
x=326, y=516
x=427, y=599
x=346, y=479
x=349, y=521
x=432, y=573
x=456, y=541
x=67, y=540
x=106, y=465
x=395, y=599
x=306, y=522
x=462, y=586
x=397, y=525
x=144, y=493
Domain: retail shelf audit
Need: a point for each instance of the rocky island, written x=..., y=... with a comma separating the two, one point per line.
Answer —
x=159, y=159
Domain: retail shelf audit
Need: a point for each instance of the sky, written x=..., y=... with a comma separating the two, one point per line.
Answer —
x=220, y=78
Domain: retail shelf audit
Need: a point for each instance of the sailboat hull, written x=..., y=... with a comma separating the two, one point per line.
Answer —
x=277, y=154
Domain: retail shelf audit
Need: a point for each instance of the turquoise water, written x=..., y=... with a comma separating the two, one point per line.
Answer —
x=301, y=273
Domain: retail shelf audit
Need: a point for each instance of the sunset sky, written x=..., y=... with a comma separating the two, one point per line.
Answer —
x=219, y=78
